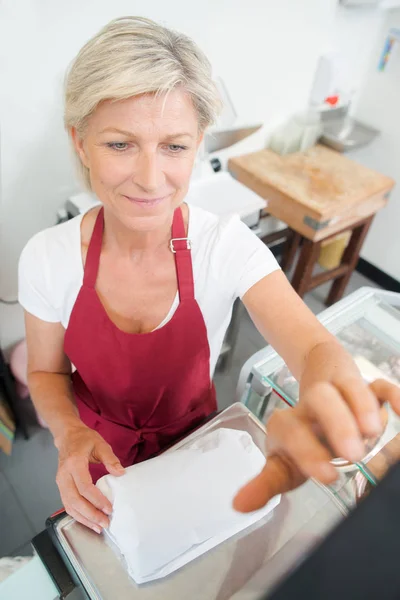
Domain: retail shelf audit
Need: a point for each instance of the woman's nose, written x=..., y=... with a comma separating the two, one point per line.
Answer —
x=148, y=173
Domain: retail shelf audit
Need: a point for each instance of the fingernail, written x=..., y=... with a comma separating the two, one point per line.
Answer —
x=107, y=511
x=96, y=529
x=372, y=422
x=353, y=449
x=104, y=524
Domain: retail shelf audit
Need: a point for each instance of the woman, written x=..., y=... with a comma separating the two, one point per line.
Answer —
x=137, y=294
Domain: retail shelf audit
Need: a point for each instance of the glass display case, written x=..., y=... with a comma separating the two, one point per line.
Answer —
x=367, y=323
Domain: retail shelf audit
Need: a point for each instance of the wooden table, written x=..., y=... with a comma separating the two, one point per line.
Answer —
x=318, y=194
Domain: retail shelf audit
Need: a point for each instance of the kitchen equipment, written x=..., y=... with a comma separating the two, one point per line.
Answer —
x=218, y=139
x=367, y=323
x=298, y=134
x=228, y=114
x=324, y=79
x=347, y=134
x=244, y=567
x=222, y=195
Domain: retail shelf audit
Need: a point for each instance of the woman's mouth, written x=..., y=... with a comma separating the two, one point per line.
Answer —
x=146, y=202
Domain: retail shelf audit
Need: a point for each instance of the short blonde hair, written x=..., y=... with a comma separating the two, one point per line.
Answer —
x=132, y=56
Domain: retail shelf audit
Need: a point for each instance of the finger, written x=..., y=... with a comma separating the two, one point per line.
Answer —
x=75, y=501
x=103, y=453
x=324, y=404
x=277, y=477
x=294, y=438
x=364, y=404
x=81, y=519
x=387, y=392
x=87, y=489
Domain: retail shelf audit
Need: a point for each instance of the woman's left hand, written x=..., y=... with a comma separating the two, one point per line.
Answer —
x=331, y=419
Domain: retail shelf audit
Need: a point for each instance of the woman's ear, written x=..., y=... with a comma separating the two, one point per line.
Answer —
x=78, y=143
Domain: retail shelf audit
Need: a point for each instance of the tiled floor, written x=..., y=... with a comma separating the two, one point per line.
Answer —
x=28, y=492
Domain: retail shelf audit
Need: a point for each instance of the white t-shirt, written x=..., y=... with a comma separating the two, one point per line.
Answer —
x=228, y=259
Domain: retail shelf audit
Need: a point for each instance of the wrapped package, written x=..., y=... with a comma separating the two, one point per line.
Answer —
x=172, y=508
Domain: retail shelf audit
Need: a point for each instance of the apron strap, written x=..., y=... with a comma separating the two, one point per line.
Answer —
x=94, y=251
x=180, y=246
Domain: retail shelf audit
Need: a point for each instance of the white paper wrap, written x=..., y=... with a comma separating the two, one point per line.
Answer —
x=173, y=508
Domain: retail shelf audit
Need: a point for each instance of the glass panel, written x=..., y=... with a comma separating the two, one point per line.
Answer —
x=354, y=484
x=372, y=338
x=370, y=330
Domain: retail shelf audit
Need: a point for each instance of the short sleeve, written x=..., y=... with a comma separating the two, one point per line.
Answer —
x=242, y=258
x=34, y=288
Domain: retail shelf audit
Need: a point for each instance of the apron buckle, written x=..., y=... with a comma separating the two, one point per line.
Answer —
x=171, y=244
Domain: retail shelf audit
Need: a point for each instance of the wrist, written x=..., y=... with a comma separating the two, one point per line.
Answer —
x=65, y=428
x=328, y=362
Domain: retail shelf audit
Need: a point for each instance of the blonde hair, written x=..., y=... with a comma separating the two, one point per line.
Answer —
x=132, y=56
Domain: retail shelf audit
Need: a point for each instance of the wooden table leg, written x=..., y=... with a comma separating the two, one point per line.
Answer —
x=350, y=257
x=290, y=248
x=305, y=265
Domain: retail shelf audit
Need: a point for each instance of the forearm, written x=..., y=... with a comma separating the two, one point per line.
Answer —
x=325, y=362
x=53, y=398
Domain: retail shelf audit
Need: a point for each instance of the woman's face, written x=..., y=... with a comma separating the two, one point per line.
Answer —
x=140, y=153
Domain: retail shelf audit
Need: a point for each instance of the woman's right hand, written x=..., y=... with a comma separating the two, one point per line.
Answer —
x=78, y=446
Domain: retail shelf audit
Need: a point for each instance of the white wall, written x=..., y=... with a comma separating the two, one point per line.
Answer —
x=265, y=50
x=355, y=33
x=379, y=106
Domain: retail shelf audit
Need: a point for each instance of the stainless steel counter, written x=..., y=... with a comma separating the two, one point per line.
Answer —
x=244, y=567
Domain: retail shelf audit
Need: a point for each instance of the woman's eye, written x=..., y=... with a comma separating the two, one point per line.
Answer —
x=121, y=146
x=118, y=145
x=175, y=148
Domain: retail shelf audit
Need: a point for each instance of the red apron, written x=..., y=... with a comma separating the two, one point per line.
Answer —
x=141, y=392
